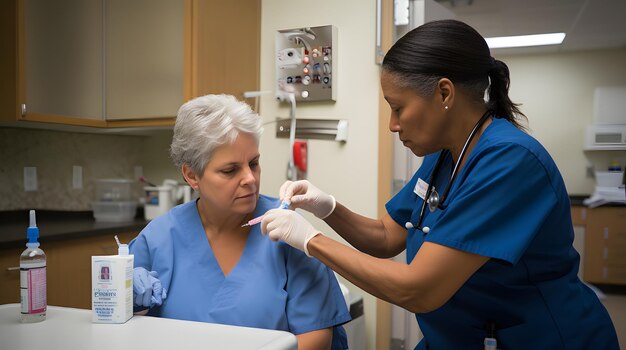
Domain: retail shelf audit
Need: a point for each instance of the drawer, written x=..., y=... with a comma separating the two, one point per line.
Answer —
x=612, y=254
x=605, y=272
x=614, y=235
x=613, y=274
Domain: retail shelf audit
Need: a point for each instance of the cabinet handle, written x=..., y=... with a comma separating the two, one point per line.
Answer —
x=13, y=268
x=606, y=233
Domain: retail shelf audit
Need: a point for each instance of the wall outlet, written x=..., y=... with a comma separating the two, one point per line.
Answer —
x=30, y=179
x=77, y=177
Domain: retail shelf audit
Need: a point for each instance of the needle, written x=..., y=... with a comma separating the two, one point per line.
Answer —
x=258, y=219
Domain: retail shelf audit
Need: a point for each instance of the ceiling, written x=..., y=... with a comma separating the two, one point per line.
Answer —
x=588, y=24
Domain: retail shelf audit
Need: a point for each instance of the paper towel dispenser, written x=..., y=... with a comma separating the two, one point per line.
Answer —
x=608, y=129
x=608, y=137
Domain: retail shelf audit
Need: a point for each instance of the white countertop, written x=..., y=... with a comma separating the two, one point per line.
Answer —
x=69, y=329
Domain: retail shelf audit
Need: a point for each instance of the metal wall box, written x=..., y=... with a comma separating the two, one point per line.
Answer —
x=306, y=62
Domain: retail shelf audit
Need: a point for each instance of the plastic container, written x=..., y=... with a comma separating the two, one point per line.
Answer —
x=609, y=178
x=114, y=211
x=114, y=190
x=33, y=294
x=159, y=199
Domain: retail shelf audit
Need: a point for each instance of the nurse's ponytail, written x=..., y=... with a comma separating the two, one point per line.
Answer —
x=452, y=49
x=499, y=101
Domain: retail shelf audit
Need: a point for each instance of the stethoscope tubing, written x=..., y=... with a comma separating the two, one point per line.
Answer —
x=438, y=203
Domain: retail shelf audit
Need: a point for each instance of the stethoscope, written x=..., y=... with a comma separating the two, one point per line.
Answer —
x=432, y=196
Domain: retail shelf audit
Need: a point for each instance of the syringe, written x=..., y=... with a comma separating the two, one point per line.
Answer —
x=258, y=219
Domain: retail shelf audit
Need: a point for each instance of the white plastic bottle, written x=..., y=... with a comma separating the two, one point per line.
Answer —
x=112, y=286
x=33, y=277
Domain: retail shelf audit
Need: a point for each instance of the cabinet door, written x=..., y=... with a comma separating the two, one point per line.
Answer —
x=225, y=47
x=144, y=58
x=63, y=57
x=10, y=274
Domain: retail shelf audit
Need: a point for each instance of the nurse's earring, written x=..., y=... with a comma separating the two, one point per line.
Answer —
x=446, y=108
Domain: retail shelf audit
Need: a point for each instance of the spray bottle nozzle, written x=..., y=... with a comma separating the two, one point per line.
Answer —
x=122, y=249
x=32, y=232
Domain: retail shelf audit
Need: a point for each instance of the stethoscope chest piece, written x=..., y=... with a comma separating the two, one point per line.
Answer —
x=433, y=201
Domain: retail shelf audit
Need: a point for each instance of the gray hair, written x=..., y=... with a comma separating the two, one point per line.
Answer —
x=207, y=122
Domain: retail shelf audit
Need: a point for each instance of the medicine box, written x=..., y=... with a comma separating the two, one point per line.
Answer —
x=112, y=288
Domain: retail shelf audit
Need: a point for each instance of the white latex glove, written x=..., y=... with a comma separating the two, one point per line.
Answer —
x=303, y=194
x=289, y=227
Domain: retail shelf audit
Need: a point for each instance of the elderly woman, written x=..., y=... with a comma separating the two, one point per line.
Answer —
x=198, y=263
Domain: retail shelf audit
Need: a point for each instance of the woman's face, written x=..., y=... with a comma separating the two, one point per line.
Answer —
x=419, y=121
x=230, y=182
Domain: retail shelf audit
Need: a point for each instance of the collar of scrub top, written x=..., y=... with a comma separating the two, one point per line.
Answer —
x=432, y=197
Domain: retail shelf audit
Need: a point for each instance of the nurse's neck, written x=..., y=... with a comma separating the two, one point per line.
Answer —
x=467, y=117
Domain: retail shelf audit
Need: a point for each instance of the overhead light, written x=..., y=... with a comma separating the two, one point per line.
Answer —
x=525, y=40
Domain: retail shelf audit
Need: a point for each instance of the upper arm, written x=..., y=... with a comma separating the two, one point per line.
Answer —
x=138, y=247
x=315, y=340
x=315, y=300
x=395, y=235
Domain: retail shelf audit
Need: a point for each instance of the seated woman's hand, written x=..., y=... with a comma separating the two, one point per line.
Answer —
x=147, y=289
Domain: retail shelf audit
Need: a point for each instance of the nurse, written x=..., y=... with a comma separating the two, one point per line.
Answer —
x=198, y=263
x=485, y=220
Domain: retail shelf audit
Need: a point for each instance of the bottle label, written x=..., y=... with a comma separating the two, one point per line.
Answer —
x=33, y=289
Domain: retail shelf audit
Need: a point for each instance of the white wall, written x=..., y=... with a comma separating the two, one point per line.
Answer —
x=556, y=93
x=348, y=171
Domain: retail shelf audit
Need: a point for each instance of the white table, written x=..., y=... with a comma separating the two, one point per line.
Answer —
x=72, y=329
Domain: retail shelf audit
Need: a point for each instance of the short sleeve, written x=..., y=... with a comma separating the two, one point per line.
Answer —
x=139, y=248
x=315, y=300
x=499, y=206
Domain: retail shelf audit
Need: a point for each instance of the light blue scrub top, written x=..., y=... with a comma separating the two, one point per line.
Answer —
x=273, y=286
x=508, y=203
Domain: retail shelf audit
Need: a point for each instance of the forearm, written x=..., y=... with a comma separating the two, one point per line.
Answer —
x=365, y=234
x=385, y=279
x=435, y=274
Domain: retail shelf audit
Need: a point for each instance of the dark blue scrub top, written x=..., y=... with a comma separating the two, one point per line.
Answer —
x=508, y=203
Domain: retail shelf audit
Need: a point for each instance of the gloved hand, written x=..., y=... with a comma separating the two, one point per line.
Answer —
x=147, y=288
x=303, y=194
x=289, y=227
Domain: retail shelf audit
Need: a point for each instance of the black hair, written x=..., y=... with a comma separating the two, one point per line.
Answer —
x=454, y=50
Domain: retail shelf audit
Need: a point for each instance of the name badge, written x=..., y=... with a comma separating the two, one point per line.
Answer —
x=420, y=188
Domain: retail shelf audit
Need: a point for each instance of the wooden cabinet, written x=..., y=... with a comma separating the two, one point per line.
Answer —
x=144, y=42
x=122, y=63
x=605, y=245
x=68, y=268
